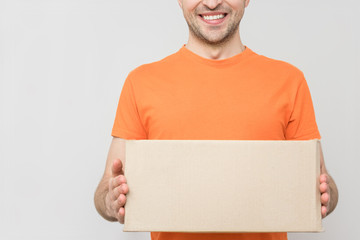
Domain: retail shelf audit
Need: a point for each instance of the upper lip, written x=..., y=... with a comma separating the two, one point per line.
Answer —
x=212, y=13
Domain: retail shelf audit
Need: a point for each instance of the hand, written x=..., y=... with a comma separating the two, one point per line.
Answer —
x=325, y=194
x=115, y=198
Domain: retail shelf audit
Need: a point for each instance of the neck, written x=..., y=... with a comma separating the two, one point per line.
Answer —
x=225, y=50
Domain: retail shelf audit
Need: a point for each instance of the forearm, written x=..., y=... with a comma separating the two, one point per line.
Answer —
x=99, y=199
x=334, y=195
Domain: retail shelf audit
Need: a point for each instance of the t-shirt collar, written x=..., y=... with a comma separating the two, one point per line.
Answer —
x=216, y=63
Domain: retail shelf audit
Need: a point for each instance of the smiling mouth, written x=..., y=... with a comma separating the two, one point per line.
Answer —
x=213, y=17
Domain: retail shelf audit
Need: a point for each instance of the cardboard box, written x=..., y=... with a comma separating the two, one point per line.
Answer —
x=222, y=186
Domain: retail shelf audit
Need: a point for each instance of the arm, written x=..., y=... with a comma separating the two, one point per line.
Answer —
x=110, y=194
x=328, y=189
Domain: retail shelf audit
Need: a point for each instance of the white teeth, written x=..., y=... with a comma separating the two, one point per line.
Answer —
x=214, y=17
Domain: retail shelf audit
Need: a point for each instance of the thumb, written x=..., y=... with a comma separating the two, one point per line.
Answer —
x=116, y=168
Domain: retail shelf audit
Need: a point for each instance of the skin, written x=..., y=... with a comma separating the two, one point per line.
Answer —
x=328, y=189
x=212, y=42
x=110, y=195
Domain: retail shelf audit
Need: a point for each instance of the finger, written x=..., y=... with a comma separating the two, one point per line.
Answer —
x=118, y=203
x=117, y=181
x=324, y=178
x=323, y=211
x=121, y=200
x=323, y=187
x=122, y=189
x=121, y=215
x=116, y=168
x=116, y=193
x=325, y=199
x=114, y=187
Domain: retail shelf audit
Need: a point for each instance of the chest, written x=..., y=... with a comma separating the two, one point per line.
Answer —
x=216, y=109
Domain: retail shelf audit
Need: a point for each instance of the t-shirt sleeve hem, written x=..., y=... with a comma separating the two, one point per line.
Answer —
x=125, y=134
x=312, y=134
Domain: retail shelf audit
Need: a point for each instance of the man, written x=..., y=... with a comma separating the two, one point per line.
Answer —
x=214, y=87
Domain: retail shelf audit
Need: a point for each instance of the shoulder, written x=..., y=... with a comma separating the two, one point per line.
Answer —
x=277, y=66
x=277, y=71
x=154, y=68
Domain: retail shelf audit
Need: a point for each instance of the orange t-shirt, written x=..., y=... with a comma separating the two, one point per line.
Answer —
x=244, y=97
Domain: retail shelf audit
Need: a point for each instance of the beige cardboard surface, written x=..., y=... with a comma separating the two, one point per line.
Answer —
x=222, y=186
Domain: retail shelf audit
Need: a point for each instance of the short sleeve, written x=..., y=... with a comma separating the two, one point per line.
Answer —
x=127, y=122
x=302, y=123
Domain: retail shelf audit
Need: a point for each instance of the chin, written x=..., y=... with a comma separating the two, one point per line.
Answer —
x=216, y=40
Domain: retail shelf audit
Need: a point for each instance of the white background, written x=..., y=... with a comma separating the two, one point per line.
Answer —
x=62, y=67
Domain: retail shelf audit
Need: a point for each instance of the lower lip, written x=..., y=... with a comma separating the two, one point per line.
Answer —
x=214, y=22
